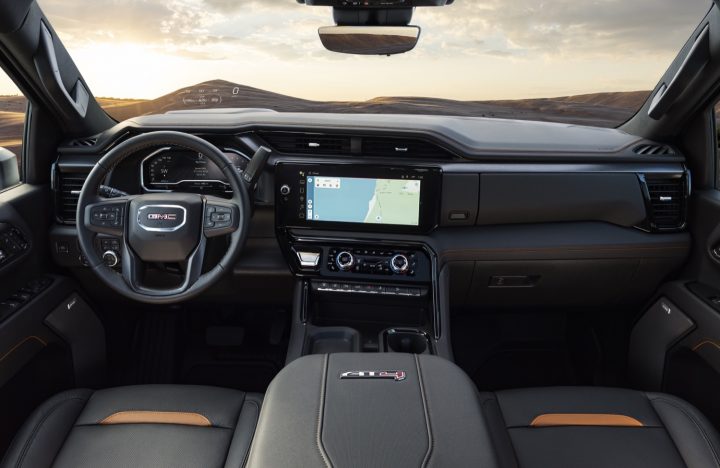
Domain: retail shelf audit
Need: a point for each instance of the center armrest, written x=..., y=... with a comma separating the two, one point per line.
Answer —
x=371, y=410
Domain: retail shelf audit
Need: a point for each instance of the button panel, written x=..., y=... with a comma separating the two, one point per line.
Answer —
x=345, y=287
x=104, y=245
x=107, y=215
x=23, y=295
x=12, y=243
x=219, y=219
x=370, y=261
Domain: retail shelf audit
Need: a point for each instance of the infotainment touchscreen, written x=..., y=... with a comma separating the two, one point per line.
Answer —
x=363, y=200
x=357, y=197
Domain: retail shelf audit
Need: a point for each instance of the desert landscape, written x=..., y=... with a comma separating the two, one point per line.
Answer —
x=600, y=109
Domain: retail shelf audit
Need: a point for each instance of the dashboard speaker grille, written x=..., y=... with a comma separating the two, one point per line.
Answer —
x=403, y=147
x=67, y=192
x=668, y=199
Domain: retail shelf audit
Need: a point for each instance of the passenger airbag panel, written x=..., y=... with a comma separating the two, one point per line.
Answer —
x=543, y=198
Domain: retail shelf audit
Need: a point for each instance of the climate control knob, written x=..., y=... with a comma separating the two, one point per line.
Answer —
x=345, y=261
x=399, y=264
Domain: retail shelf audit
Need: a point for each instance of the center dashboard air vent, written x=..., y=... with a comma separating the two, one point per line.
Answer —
x=308, y=143
x=67, y=186
x=666, y=199
x=366, y=146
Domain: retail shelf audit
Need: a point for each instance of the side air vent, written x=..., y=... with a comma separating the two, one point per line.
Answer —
x=667, y=202
x=82, y=142
x=403, y=147
x=308, y=143
x=67, y=192
x=654, y=150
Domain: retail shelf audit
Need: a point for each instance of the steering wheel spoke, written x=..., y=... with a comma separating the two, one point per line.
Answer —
x=134, y=268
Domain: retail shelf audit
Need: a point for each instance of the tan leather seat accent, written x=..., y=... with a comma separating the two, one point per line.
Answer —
x=157, y=417
x=615, y=420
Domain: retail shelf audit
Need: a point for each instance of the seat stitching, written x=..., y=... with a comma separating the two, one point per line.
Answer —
x=36, y=429
x=237, y=421
x=504, y=423
x=257, y=412
x=321, y=411
x=426, y=410
x=695, y=422
x=706, y=342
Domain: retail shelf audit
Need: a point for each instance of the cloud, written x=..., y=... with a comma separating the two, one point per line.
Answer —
x=571, y=27
x=235, y=6
x=476, y=48
x=286, y=30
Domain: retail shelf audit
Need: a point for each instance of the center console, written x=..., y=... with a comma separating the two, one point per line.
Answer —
x=372, y=410
x=357, y=291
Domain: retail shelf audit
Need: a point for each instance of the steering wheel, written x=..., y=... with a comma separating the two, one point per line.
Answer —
x=162, y=227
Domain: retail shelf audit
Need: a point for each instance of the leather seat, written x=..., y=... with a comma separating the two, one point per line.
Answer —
x=598, y=427
x=139, y=426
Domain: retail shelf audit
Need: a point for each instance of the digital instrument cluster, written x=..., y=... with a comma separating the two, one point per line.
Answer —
x=172, y=169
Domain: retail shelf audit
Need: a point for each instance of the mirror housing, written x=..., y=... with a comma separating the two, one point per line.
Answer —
x=370, y=40
x=9, y=172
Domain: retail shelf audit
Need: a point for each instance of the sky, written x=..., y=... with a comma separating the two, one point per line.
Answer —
x=471, y=50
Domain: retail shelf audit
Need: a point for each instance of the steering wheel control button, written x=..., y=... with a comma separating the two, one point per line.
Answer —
x=107, y=215
x=219, y=220
x=308, y=259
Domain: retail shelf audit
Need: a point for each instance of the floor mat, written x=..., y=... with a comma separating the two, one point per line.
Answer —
x=530, y=348
x=221, y=346
x=531, y=366
x=241, y=349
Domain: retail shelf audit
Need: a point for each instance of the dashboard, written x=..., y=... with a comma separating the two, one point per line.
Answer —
x=516, y=211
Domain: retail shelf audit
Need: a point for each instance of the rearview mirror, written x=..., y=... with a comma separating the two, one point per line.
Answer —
x=370, y=40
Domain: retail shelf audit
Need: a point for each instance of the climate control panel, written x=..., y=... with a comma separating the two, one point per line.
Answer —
x=372, y=261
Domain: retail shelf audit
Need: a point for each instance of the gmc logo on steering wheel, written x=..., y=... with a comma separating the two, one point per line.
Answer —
x=162, y=216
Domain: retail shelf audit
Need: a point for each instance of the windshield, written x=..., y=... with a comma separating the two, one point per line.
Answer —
x=574, y=61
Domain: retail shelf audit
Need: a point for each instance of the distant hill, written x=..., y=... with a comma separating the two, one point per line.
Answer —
x=599, y=109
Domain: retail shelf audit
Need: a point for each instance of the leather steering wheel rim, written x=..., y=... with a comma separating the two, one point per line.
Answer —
x=117, y=155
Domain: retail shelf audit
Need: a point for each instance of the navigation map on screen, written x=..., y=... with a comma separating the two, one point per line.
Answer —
x=369, y=201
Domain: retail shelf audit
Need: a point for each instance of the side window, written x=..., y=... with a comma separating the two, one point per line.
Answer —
x=12, y=120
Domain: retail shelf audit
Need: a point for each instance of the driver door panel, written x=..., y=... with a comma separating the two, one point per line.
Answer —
x=36, y=360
